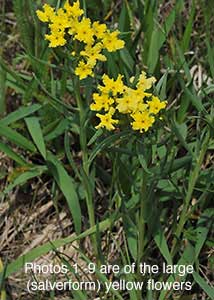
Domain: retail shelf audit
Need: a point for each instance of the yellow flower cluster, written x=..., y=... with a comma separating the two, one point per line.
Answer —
x=115, y=97
x=95, y=36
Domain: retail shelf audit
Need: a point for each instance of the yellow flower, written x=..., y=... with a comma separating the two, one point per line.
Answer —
x=145, y=83
x=99, y=30
x=72, y=30
x=83, y=70
x=155, y=105
x=111, y=41
x=85, y=32
x=127, y=104
x=106, y=120
x=56, y=39
x=141, y=107
x=111, y=85
x=47, y=14
x=93, y=53
x=73, y=11
x=101, y=102
x=59, y=24
x=114, y=94
x=142, y=121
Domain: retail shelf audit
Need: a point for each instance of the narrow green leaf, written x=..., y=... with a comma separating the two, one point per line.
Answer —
x=36, y=133
x=3, y=91
x=67, y=187
x=131, y=234
x=97, y=134
x=182, y=62
x=158, y=38
x=21, y=10
x=161, y=242
x=19, y=114
x=210, y=53
x=162, y=85
x=127, y=59
x=203, y=226
x=24, y=177
x=16, y=138
x=171, y=167
x=59, y=130
x=204, y=285
x=108, y=142
x=195, y=99
x=186, y=259
x=10, y=153
x=144, y=163
x=180, y=131
x=189, y=29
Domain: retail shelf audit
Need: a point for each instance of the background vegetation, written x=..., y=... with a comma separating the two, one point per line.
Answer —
x=152, y=194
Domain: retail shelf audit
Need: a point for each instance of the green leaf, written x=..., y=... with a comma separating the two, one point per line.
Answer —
x=59, y=130
x=180, y=130
x=127, y=59
x=210, y=54
x=186, y=259
x=25, y=27
x=24, y=177
x=36, y=133
x=188, y=29
x=67, y=187
x=203, y=226
x=158, y=38
x=131, y=234
x=3, y=91
x=97, y=134
x=162, y=85
x=108, y=142
x=196, y=100
x=10, y=153
x=171, y=167
x=20, y=113
x=16, y=138
x=143, y=163
x=161, y=242
x=204, y=285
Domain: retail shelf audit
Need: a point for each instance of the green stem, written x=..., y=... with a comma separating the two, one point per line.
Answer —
x=3, y=91
x=141, y=220
x=83, y=145
x=141, y=227
x=192, y=181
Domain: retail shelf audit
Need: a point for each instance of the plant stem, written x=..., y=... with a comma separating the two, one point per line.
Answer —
x=141, y=220
x=83, y=145
x=141, y=227
x=3, y=91
x=192, y=181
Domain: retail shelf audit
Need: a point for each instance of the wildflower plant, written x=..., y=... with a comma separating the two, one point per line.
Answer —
x=87, y=129
x=114, y=101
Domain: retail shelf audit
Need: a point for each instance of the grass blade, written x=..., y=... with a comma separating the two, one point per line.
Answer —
x=24, y=177
x=20, y=113
x=16, y=138
x=67, y=187
x=3, y=91
x=36, y=133
x=204, y=285
x=10, y=153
